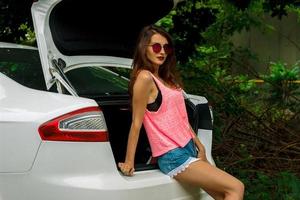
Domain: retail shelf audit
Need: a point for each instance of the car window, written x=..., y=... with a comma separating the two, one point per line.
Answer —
x=97, y=81
x=125, y=72
x=23, y=66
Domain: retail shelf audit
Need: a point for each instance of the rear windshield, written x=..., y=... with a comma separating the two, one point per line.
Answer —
x=23, y=66
x=97, y=81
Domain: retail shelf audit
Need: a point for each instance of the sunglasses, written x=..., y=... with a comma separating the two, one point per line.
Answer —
x=157, y=47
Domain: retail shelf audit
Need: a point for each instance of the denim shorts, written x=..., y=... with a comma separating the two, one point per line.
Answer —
x=178, y=159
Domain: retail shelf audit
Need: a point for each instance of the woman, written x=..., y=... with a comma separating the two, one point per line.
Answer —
x=158, y=103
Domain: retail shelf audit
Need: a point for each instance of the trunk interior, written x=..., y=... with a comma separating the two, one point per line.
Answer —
x=118, y=120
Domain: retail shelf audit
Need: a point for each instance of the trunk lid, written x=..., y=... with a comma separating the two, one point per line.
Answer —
x=73, y=32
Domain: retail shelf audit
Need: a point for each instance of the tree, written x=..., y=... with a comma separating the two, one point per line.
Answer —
x=16, y=21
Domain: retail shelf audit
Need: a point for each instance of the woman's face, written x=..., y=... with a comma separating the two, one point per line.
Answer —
x=156, y=49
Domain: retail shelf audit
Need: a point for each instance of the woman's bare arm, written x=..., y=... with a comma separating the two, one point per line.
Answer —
x=141, y=92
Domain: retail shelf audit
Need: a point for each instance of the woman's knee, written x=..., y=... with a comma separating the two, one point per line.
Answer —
x=241, y=188
x=238, y=189
x=235, y=190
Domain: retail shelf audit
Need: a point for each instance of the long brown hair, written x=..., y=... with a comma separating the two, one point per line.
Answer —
x=167, y=71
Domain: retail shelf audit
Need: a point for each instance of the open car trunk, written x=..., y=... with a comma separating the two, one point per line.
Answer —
x=118, y=120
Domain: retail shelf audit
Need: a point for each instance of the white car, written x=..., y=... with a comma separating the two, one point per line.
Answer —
x=64, y=107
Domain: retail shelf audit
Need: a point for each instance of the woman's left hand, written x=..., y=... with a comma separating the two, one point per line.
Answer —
x=202, y=155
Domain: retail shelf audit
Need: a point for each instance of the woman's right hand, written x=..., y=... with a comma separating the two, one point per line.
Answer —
x=126, y=168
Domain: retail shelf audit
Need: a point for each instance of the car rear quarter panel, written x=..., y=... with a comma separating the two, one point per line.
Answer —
x=22, y=111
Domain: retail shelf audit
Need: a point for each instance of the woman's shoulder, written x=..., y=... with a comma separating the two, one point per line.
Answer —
x=144, y=76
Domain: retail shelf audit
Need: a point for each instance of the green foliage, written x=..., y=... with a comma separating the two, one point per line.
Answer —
x=260, y=186
x=281, y=92
x=281, y=83
x=190, y=19
x=279, y=8
x=288, y=186
x=167, y=21
x=294, y=9
x=13, y=13
x=281, y=186
x=226, y=15
x=254, y=124
x=29, y=37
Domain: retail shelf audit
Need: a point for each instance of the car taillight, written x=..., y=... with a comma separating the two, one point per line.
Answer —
x=83, y=125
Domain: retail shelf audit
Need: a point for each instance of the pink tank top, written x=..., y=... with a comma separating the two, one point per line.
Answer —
x=168, y=127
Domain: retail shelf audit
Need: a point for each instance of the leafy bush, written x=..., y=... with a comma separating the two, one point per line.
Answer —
x=284, y=185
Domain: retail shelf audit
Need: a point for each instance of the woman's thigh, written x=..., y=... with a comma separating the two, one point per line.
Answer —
x=208, y=177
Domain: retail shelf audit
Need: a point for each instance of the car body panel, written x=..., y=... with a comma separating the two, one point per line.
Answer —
x=24, y=110
x=205, y=135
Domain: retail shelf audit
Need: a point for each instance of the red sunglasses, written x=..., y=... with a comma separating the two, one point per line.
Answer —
x=157, y=47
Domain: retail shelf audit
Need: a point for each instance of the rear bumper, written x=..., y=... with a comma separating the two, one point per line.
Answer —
x=76, y=171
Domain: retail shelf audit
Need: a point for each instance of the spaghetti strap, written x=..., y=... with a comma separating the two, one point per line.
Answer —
x=160, y=83
x=157, y=82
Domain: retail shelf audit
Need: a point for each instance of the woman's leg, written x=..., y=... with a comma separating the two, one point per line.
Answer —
x=214, y=181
